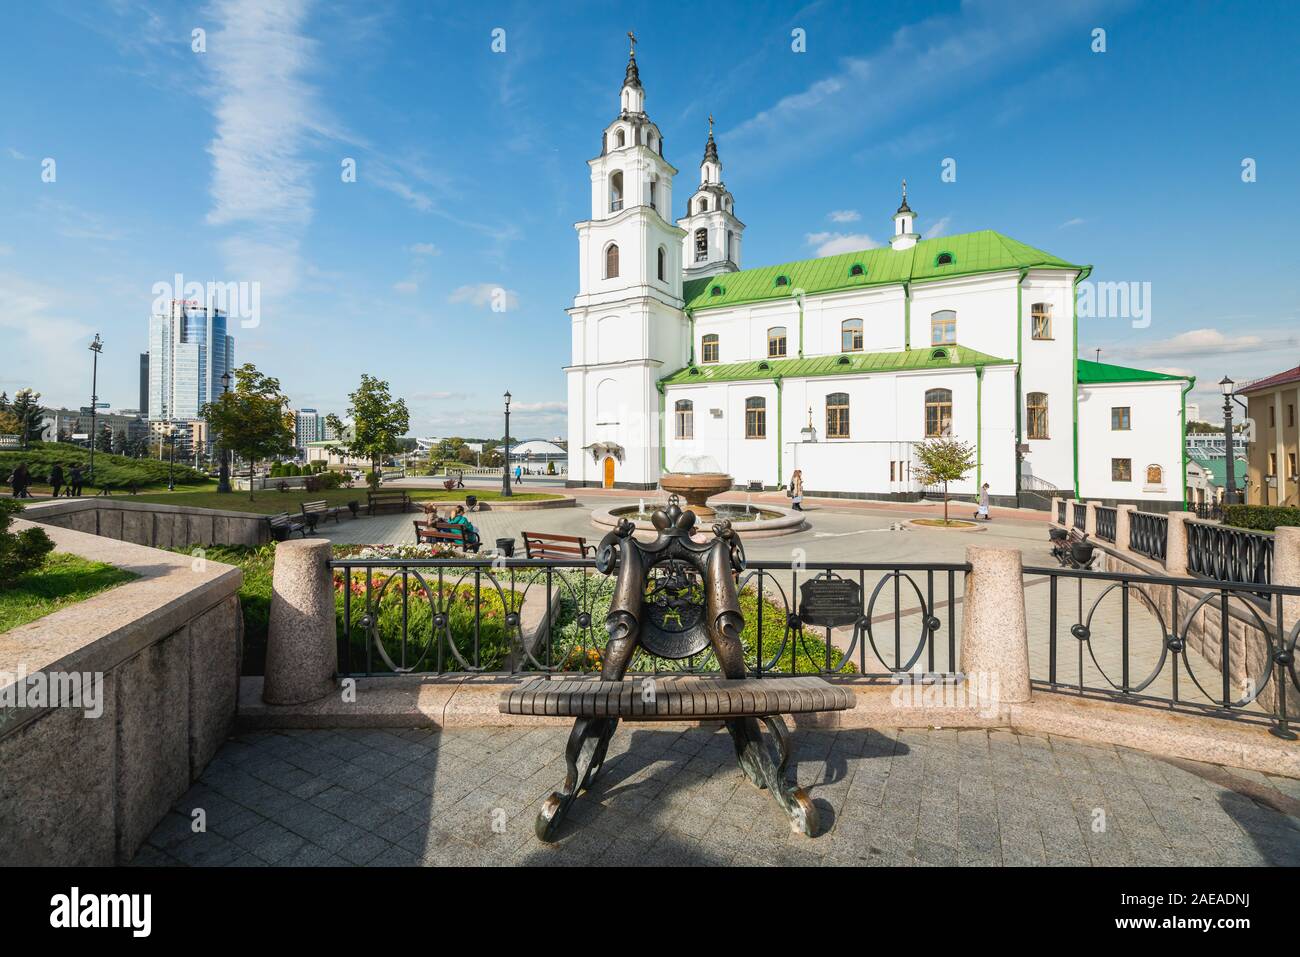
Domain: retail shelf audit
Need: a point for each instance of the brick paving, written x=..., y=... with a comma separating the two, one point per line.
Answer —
x=675, y=796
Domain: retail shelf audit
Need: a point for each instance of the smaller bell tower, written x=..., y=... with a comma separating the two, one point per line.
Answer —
x=712, y=242
x=905, y=236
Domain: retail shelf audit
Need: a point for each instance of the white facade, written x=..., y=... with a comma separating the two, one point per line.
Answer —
x=981, y=324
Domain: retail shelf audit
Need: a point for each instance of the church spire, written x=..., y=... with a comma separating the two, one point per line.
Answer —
x=711, y=148
x=633, y=77
x=904, y=221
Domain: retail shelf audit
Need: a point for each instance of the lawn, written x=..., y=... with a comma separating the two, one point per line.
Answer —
x=63, y=580
x=271, y=502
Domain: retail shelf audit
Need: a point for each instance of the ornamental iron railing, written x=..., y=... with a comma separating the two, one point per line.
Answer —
x=1167, y=642
x=1106, y=518
x=1060, y=512
x=1230, y=554
x=1080, y=516
x=1148, y=534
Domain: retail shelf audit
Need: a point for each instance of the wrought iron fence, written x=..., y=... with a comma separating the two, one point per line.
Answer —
x=403, y=616
x=1207, y=511
x=1148, y=534
x=1230, y=554
x=1157, y=664
x=1080, y=516
x=1106, y=518
x=1060, y=512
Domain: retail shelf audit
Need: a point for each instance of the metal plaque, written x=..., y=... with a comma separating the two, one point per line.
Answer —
x=829, y=602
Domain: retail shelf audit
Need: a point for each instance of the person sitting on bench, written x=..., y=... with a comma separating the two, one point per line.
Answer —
x=460, y=519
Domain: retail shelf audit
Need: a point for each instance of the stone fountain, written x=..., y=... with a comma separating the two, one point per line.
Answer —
x=696, y=478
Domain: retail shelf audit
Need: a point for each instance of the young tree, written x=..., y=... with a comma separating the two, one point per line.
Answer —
x=944, y=460
x=104, y=440
x=25, y=411
x=119, y=442
x=252, y=419
x=378, y=423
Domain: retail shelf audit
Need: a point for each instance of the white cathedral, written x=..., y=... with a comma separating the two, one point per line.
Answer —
x=838, y=365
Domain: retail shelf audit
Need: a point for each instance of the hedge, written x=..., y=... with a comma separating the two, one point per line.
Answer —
x=1263, y=517
x=111, y=471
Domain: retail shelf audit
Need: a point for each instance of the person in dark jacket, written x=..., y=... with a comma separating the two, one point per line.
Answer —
x=20, y=480
x=74, y=482
x=56, y=478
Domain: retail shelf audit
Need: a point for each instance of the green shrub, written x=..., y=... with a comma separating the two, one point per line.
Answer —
x=23, y=551
x=1263, y=517
x=111, y=471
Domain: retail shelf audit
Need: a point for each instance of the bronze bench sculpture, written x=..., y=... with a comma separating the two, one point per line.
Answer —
x=676, y=598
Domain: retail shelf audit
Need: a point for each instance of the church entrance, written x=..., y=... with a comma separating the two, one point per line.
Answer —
x=609, y=472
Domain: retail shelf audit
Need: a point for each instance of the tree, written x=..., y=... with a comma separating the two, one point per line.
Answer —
x=252, y=419
x=119, y=442
x=104, y=440
x=944, y=460
x=22, y=416
x=378, y=423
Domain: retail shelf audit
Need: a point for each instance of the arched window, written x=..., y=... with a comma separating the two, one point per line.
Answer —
x=938, y=413
x=611, y=261
x=651, y=141
x=943, y=328
x=684, y=416
x=776, y=342
x=701, y=245
x=730, y=237
x=620, y=139
x=837, y=415
x=709, y=348
x=1155, y=475
x=782, y=280
x=851, y=335
x=615, y=191
x=944, y=259
x=663, y=264
x=857, y=270
x=756, y=417
x=1040, y=320
x=654, y=182
x=1036, y=418
x=703, y=205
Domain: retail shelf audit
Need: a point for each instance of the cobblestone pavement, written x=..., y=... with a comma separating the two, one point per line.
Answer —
x=675, y=796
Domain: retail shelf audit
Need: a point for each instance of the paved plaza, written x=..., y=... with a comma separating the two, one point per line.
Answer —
x=670, y=795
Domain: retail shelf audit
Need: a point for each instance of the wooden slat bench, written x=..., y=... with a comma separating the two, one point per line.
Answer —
x=284, y=525
x=398, y=500
x=740, y=702
x=321, y=509
x=445, y=533
x=550, y=545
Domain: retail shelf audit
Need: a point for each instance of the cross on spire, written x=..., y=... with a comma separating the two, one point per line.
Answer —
x=904, y=208
x=632, y=77
x=632, y=40
x=710, y=124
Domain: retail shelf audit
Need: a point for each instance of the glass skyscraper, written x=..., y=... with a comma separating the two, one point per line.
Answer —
x=189, y=351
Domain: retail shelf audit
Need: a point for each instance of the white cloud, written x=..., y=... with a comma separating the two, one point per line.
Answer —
x=15, y=154
x=37, y=325
x=828, y=244
x=1208, y=342
x=485, y=295
x=265, y=112
x=844, y=216
x=539, y=407
x=938, y=228
x=425, y=249
x=407, y=287
x=1076, y=221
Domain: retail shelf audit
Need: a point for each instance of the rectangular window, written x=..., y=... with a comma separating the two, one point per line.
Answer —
x=1290, y=416
x=776, y=342
x=1037, y=415
x=1121, y=470
x=891, y=470
x=1272, y=417
x=1119, y=419
x=1272, y=463
x=1290, y=464
x=1040, y=320
x=943, y=328
x=709, y=349
x=685, y=416
x=756, y=418
x=837, y=415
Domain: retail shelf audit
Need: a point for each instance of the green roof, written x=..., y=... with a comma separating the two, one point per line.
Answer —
x=1218, y=469
x=1100, y=373
x=848, y=363
x=984, y=251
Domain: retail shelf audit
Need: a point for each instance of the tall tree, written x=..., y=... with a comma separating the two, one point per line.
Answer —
x=378, y=423
x=26, y=412
x=252, y=419
x=104, y=440
x=944, y=460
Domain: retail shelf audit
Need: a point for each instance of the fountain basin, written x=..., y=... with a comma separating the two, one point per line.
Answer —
x=757, y=522
x=696, y=488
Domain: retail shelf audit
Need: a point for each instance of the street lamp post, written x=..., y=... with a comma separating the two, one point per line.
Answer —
x=1230, y=477
x=96, y=347
x=505, y=459
x=223, y=475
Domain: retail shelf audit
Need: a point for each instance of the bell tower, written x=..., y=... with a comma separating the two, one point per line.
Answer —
x=712, y=243
x=628, y=326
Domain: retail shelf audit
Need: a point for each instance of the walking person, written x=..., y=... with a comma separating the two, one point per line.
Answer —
x=983, y=510
x=19, y=481
x=74, y=482
x=56, y=478
x=519, y=475
x=796, y=490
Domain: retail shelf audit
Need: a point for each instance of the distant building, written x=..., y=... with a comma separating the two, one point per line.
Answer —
x=144, y=383
x=537, y=453
x=189, y=351
x=63, y=424
x=1272, y=466
x=308, y=426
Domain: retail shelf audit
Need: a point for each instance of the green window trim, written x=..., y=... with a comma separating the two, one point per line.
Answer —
x=952, y=259
x=717, y=291
x=861, y=271
x=781, y=280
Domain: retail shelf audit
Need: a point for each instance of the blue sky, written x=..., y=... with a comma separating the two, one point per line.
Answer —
x=471, y=170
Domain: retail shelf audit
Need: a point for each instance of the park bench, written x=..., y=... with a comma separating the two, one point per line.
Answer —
x=321, y=509
x=284, y=525
x=445, y=533
x=398, y=500
x=1070, y=547
x=675, y=598
x=548, y=545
